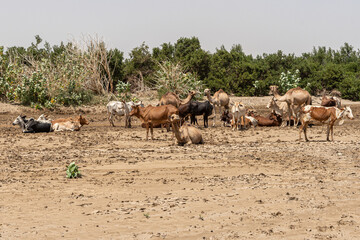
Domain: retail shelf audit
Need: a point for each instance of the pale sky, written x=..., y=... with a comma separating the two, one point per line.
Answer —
x=260, y=26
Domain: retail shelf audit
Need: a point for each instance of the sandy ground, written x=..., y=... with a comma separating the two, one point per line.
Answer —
x=255, y=184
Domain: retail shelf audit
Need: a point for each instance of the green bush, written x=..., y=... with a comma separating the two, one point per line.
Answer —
x=171, y=78
x=123, y=91
x=73, y=94
x=33, y=90
x=350, y=87
x=72, y=171
x=289, y=80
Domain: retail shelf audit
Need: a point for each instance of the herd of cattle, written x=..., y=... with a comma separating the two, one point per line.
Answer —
x=291, y=109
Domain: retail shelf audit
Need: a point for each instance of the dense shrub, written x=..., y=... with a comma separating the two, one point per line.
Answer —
x=350, y=87
x=171, y=78
x=70, y=74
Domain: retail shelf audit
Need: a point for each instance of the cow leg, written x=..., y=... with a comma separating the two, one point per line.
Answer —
x=110, y=120
x=332, y=132
x=300, y=130
x=147, y=130
x=328, y=132
x=129, y=122
x=28, y=126
x=305, y=128
x=206, y=120
x=152, y=131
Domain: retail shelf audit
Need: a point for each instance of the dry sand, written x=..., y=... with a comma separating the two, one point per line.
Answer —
x=255, y=184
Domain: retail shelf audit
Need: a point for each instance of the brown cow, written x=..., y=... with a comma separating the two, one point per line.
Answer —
x=323, y=114
x=154, y=115
x=79, y=119
x=330, y=102
x=69, y=124
x=273, y=119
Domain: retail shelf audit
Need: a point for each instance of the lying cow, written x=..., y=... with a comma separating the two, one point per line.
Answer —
x=121, y=109
x=227, y=117
x=323, y=114
x=69, y=124
x=31, y=125
x=272, y=120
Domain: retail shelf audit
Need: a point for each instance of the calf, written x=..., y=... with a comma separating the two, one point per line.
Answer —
x=238, y=112
x=282, y=110
x=226, y=117
x=327, y=115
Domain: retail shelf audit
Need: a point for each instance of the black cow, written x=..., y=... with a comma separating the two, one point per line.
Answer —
x=201, y=108
x=31, y=125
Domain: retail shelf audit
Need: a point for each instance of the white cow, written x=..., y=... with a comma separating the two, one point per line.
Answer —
x=121, y=109
x=238, y=113
x=282, y=109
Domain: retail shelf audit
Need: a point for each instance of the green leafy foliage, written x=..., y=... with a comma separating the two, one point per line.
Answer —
x=123, y=91
x=72, y=171
x=67, y=75
x=171, y=78
x=289, y=80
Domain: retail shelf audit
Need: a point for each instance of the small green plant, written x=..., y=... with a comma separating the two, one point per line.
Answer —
x=73, y=171
x=147, y=215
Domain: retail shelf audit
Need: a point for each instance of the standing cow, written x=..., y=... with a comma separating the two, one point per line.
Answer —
x=121, y=109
